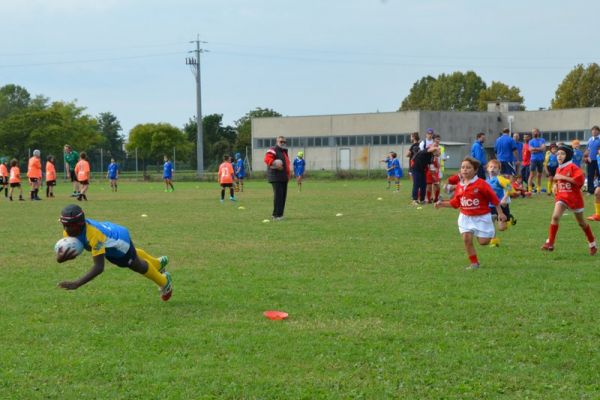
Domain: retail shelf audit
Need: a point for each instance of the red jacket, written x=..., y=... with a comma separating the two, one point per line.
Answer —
x=277, y=153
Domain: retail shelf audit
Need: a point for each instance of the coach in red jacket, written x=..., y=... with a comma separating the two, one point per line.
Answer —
x=278, y=175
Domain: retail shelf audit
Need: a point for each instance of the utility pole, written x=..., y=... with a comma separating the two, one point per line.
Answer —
x=194, y=64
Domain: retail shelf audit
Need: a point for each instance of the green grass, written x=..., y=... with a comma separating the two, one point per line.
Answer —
x=380, y=303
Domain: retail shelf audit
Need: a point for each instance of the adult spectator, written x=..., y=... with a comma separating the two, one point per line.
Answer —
x=537, y=147
x=71, y=160
x=519, y=159
x=420, y=165
x=478, y=153
x=412, y=150
x=526, y=159
x=506, y=153
x=428, y=141
x=34, y=173
x=278, y=175
x=589, y=156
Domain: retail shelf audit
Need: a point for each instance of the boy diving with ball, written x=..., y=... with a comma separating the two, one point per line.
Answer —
x=108, y=241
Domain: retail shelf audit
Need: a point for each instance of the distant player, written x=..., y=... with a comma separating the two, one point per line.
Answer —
x=432, y=177
x=577, y=154
x=473, y=196
x=4, y=175
x=82, y=171
x=550, y=166
x=299, y=167
x=50, y=176
x=396, y=169
x=226, y=178
x=240, y=172
x=503, y=188
x=569, y=179
x=14, y=179
x=112, y=174
x=388, y=170
x=168, y=174
x=111, y=242
x=71, y=158
x=34, y=173
x=519, y=189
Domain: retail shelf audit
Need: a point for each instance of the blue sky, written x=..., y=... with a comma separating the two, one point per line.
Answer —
x=297, y=57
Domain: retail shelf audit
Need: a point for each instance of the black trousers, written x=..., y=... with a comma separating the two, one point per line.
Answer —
x=419, y=185
x=279, y=196
x=592, y=172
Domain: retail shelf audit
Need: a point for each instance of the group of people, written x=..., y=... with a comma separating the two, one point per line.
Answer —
x=10, y=177
x=426, y=166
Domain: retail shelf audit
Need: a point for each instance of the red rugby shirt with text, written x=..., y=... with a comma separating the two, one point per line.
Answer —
x=474, y=197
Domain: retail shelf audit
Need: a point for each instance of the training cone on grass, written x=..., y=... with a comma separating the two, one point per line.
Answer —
x=339, y=214
x=275, y=315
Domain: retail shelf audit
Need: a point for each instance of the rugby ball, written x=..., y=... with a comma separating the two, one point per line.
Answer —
x=277, y=164
x=67, y=243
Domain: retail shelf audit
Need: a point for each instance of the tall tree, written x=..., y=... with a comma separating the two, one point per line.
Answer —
x=244, y=127
x=217, y=139
x=499, y=91
x=579, y=89
x=456, y=92
x=13, y=98
x=153, y=141
x=110, y=128
x=419, y=95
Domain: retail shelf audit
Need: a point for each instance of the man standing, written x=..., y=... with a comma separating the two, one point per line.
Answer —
x=537, y=147
x=519, y=144
x=506, y=153
x=478, y=153
x=71, y=160
x=278, y=175
x=590, y=154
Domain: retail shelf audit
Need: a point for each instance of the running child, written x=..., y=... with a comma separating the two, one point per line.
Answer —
x=299, y=166
x=503, y=189
x=112, y=242
x=550, y=166
x=240, y=172
x=34, y=173
x=50, y=176
x=4, y=175
x=82, y=171
x=168, y=174
x=569, y=179
x=14, y=179
x=226, y=178
x=473, y=196
x=113, y=174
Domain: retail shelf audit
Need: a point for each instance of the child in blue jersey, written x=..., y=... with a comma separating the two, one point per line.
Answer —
x=577, y=154
x=395, y=169
x=550, y=166
x=240, y=172
x=299, y=166
x=168, y=174
x=113, y=174
x=503, y=188
x=112, y=242
x=388, y=168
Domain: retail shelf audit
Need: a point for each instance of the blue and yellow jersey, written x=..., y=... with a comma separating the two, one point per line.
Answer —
x=113, y=169
x=239, y=169
x=104, y=238
x=396, y=168
x=501, y=186
x=167, y=170
x=299, y=165
x=577, y=157
x=551, y=160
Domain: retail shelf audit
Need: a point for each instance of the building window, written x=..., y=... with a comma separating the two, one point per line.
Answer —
x=344, y=140
x=360, y=140
x=352, y=141
x=384, y=139
x=375, y=139
x=580, y=135
x=317, y=142
x=393, y=139
x=562, y=136
x=311, y=142
x=546, y=136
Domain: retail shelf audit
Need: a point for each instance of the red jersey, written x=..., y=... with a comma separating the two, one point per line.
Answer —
x=567, y=192
x=432, y=174
x=474, y=197
x=225, y=173
x=3, y=171
x=526, y=155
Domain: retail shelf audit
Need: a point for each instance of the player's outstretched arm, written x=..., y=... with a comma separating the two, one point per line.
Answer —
x=96, y=270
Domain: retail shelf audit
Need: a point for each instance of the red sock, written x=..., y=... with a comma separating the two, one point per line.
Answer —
x=552, y=233
x=589, y=234
x=474, y=259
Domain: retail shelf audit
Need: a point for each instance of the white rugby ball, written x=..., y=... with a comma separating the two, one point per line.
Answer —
x=69, y=243
x=277, y=163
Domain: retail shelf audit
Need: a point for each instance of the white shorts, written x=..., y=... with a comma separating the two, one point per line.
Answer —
x=479, y=225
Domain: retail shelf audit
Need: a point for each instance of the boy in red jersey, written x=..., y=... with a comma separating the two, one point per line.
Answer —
x=568, y=180
x=226, y=178
x=473, y=196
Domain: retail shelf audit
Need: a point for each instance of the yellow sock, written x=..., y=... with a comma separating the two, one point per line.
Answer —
x=549, y=186
x=597, y=207
x=153, y=267
x=530, y=188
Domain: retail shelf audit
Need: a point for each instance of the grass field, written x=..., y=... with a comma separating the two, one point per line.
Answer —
x=380, y=303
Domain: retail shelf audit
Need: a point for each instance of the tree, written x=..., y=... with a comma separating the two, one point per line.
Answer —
x=110, y=127
x=153, y=141
x=217, y=139
x=499, y=91
x=579, y=89
x=244, y=127
x=13, y=98
x=456, y=92
x=419, y=95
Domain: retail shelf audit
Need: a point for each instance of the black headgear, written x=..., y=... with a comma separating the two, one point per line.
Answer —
x=72, y=214
x=568, y=152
